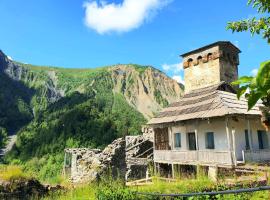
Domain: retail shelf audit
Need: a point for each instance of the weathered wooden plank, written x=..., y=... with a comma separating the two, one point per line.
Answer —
x=257, y=155
x=201, y=156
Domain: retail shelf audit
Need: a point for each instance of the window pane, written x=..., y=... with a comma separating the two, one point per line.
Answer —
x=177, y=140
x=263, y=140
x=210, y=141
x=260, y=139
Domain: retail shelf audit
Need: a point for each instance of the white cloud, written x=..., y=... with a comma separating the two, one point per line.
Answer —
x=176, y=71
x=9, y=58
x=179, y=79
x=254, y=72
x=174, y=68
x=130, y=14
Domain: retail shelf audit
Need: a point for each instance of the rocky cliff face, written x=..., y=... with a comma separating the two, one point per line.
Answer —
x=17, y=72
x=145, y=88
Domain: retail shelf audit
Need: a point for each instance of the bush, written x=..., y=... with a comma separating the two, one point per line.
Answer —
x=11, y=172
x=109, y=189
x=3, y=137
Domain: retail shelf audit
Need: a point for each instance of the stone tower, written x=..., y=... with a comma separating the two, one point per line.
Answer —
x=210, y=65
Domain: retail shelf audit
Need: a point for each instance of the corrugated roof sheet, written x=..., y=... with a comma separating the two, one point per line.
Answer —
x=215, y=101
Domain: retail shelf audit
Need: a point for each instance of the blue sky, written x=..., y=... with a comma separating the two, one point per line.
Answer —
x=80, y=33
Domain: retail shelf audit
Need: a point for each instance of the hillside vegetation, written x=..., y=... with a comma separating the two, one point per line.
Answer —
x=55, y=108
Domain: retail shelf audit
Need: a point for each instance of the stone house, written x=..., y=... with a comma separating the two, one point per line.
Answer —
x=209, y=126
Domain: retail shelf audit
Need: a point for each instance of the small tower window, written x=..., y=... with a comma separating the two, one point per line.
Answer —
x=209, y=56
x=234, y=59
x=199, y=59
x=228, y=56
x=190, y=62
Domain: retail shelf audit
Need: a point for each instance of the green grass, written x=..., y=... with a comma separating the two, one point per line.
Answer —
x=11, y=172
x=179, y=186
x=115, y=190
x=78, y=193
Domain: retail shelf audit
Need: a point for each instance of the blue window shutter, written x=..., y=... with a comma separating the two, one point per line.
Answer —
x=210, y=140
x=177, y=140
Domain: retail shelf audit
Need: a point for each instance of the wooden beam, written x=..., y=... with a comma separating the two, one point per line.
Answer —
x=171, y=138
x=229, y=139
x=234, y=145
x=250, y=136
x=228, y=134
x=196, y=134
x=173, y=172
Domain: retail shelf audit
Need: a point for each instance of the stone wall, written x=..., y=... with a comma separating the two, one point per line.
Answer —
x=139, y=155
x=210, y=66
x=87, y=165
x=126, y=158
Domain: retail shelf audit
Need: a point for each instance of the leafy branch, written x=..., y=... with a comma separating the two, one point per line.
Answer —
x=254, y=25
x=256, y=88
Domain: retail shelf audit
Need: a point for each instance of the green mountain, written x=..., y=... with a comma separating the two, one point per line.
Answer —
x=54, y=108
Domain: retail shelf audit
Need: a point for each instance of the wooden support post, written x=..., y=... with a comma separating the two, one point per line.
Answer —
x=196, y=134
x=158, y=170
x=234, y=146
x=173, y=174
x=229, y=139
x=250, y=136
x=228, y=134
x=213, y=173
x=171, y=138
x=197, y=140
x=155, y=169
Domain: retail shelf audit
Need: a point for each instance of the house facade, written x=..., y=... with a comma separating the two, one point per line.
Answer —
x=209, y=126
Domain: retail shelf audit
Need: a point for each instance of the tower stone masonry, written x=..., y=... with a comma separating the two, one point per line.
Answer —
x=210, y=65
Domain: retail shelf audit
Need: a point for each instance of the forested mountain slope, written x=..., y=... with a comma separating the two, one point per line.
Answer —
x=54, y=108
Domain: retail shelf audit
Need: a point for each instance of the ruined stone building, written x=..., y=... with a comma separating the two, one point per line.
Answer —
x=125, y=158
x=209, y=126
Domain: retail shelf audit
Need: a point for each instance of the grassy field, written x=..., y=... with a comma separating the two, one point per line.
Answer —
x=108, y=189
x=117, y=191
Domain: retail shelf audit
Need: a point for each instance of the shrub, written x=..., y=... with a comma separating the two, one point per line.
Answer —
x=114, y=190
x=11, y=172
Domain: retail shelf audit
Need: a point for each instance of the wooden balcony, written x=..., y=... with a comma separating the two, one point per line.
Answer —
x=201, y=157
x=261, y=155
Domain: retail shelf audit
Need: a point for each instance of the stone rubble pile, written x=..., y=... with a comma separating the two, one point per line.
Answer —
x=91, y=164
x=125, y=158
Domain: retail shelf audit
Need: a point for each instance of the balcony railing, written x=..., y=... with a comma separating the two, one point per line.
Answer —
x=256, y=155
x=211, y=157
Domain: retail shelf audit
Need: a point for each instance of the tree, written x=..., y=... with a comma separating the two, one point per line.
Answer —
x=3, y=136
x=255, y=25
x=258, y=86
